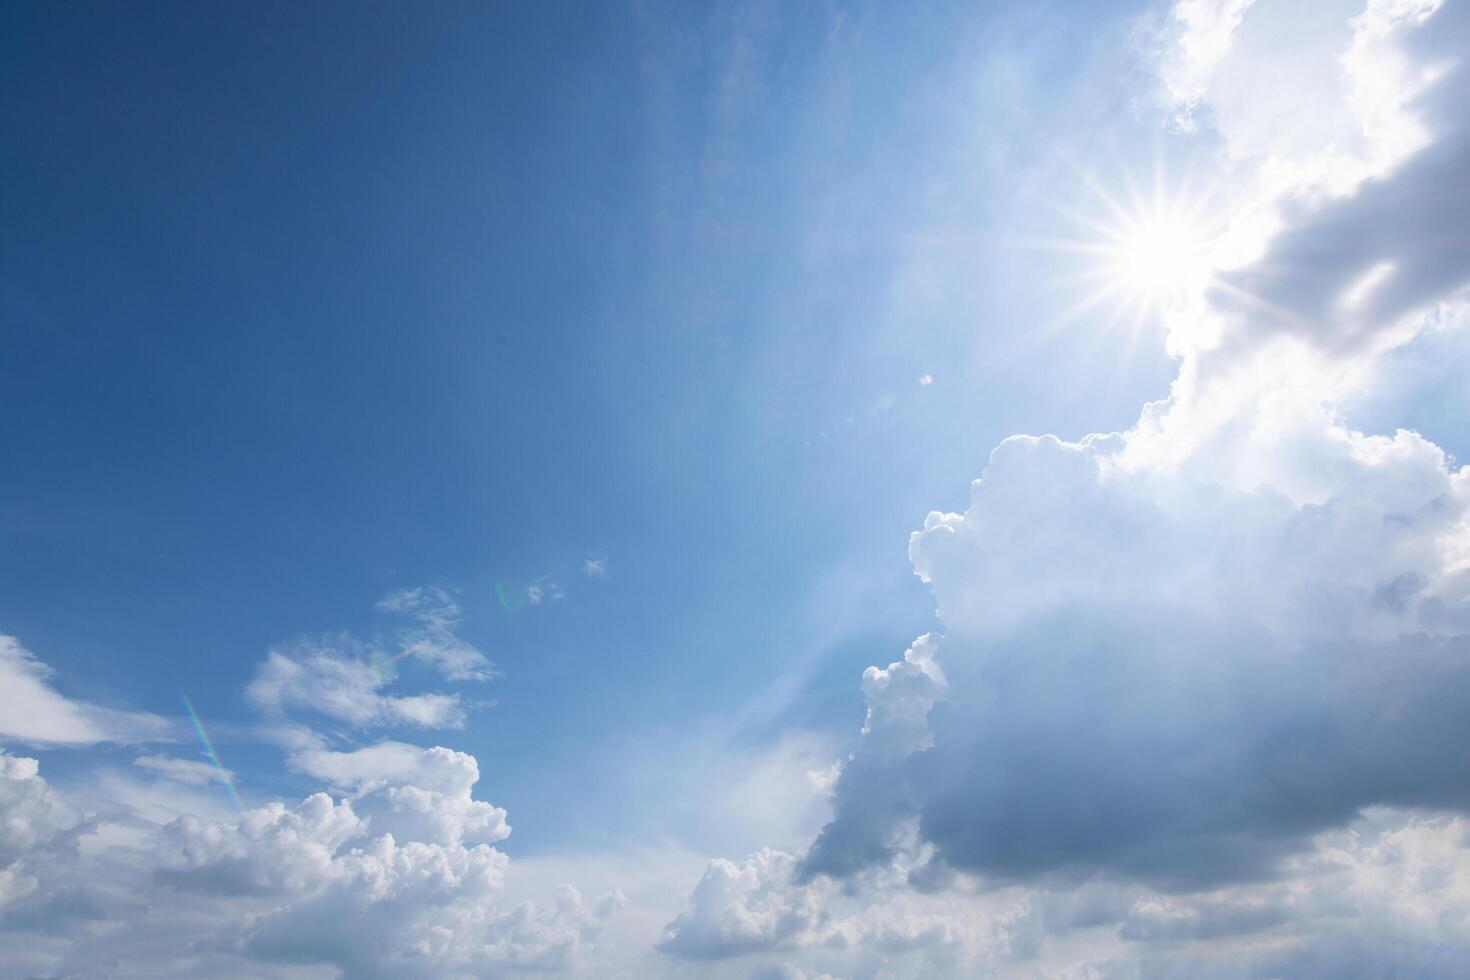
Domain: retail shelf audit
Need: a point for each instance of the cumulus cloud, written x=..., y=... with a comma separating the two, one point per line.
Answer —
x=413, y=793
x=1129, y=658
x=900, y=698
x=390, y=874
x=1350, y=173
x=382, y=907
x=325, y=883
x=1384, y=896
x=32, y=711
x=1202, y=683
x=270, y=850
x=1347, y=273
x=35, y=824
x=761, y=905
x=789, y=971
x=408, y=905
x=1306, y=97
x=740, y=908
x=1181, y=651
x=1387, y=896
x=1197, y=708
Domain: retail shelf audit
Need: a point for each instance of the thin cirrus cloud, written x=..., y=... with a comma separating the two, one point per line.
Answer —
x=188, y=771
x=432, y=638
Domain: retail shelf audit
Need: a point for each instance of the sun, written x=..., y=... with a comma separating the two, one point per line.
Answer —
x=1148, y=252
x=1156, y=258
x=1139, y=255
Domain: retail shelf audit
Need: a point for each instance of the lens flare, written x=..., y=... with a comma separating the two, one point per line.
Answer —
x=515, y=597
x=224, y=774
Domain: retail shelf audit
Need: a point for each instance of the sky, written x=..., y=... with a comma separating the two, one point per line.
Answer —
x=757, y=491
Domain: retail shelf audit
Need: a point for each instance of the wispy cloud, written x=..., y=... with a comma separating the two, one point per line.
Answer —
x=32, y=711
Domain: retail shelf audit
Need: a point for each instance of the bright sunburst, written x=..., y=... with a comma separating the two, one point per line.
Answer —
x=1157, y=257
x=1142, y=254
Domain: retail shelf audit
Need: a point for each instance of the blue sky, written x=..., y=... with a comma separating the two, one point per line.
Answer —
x=469, y=298
x=624, y=346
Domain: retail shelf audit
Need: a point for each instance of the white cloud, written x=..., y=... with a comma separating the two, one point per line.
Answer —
x=32, y=711
x=345, y=679
x=344, y=685
x=900, y=698
x=1131, y=639
x=188, y=771
x=393, y=877
x=1343, y=141
x=1198, y=707
x=35, y=821
x=742, y=908
x=1181, y=662
x=1306, y=97
x=1384, y=892
x=279, y=889
x=270, y=850
x=383, y=907
x=412, y=793
x=434, y=639
x=1200, y=36
x=789, y=971
x=543, y=592
x=874, y=923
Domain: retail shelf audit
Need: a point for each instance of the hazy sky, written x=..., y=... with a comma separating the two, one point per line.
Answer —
x=601, y=421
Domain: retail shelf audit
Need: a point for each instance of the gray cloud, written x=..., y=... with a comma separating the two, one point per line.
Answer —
x=1346, y=271
x=1129, y=688
x=1180, y=660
